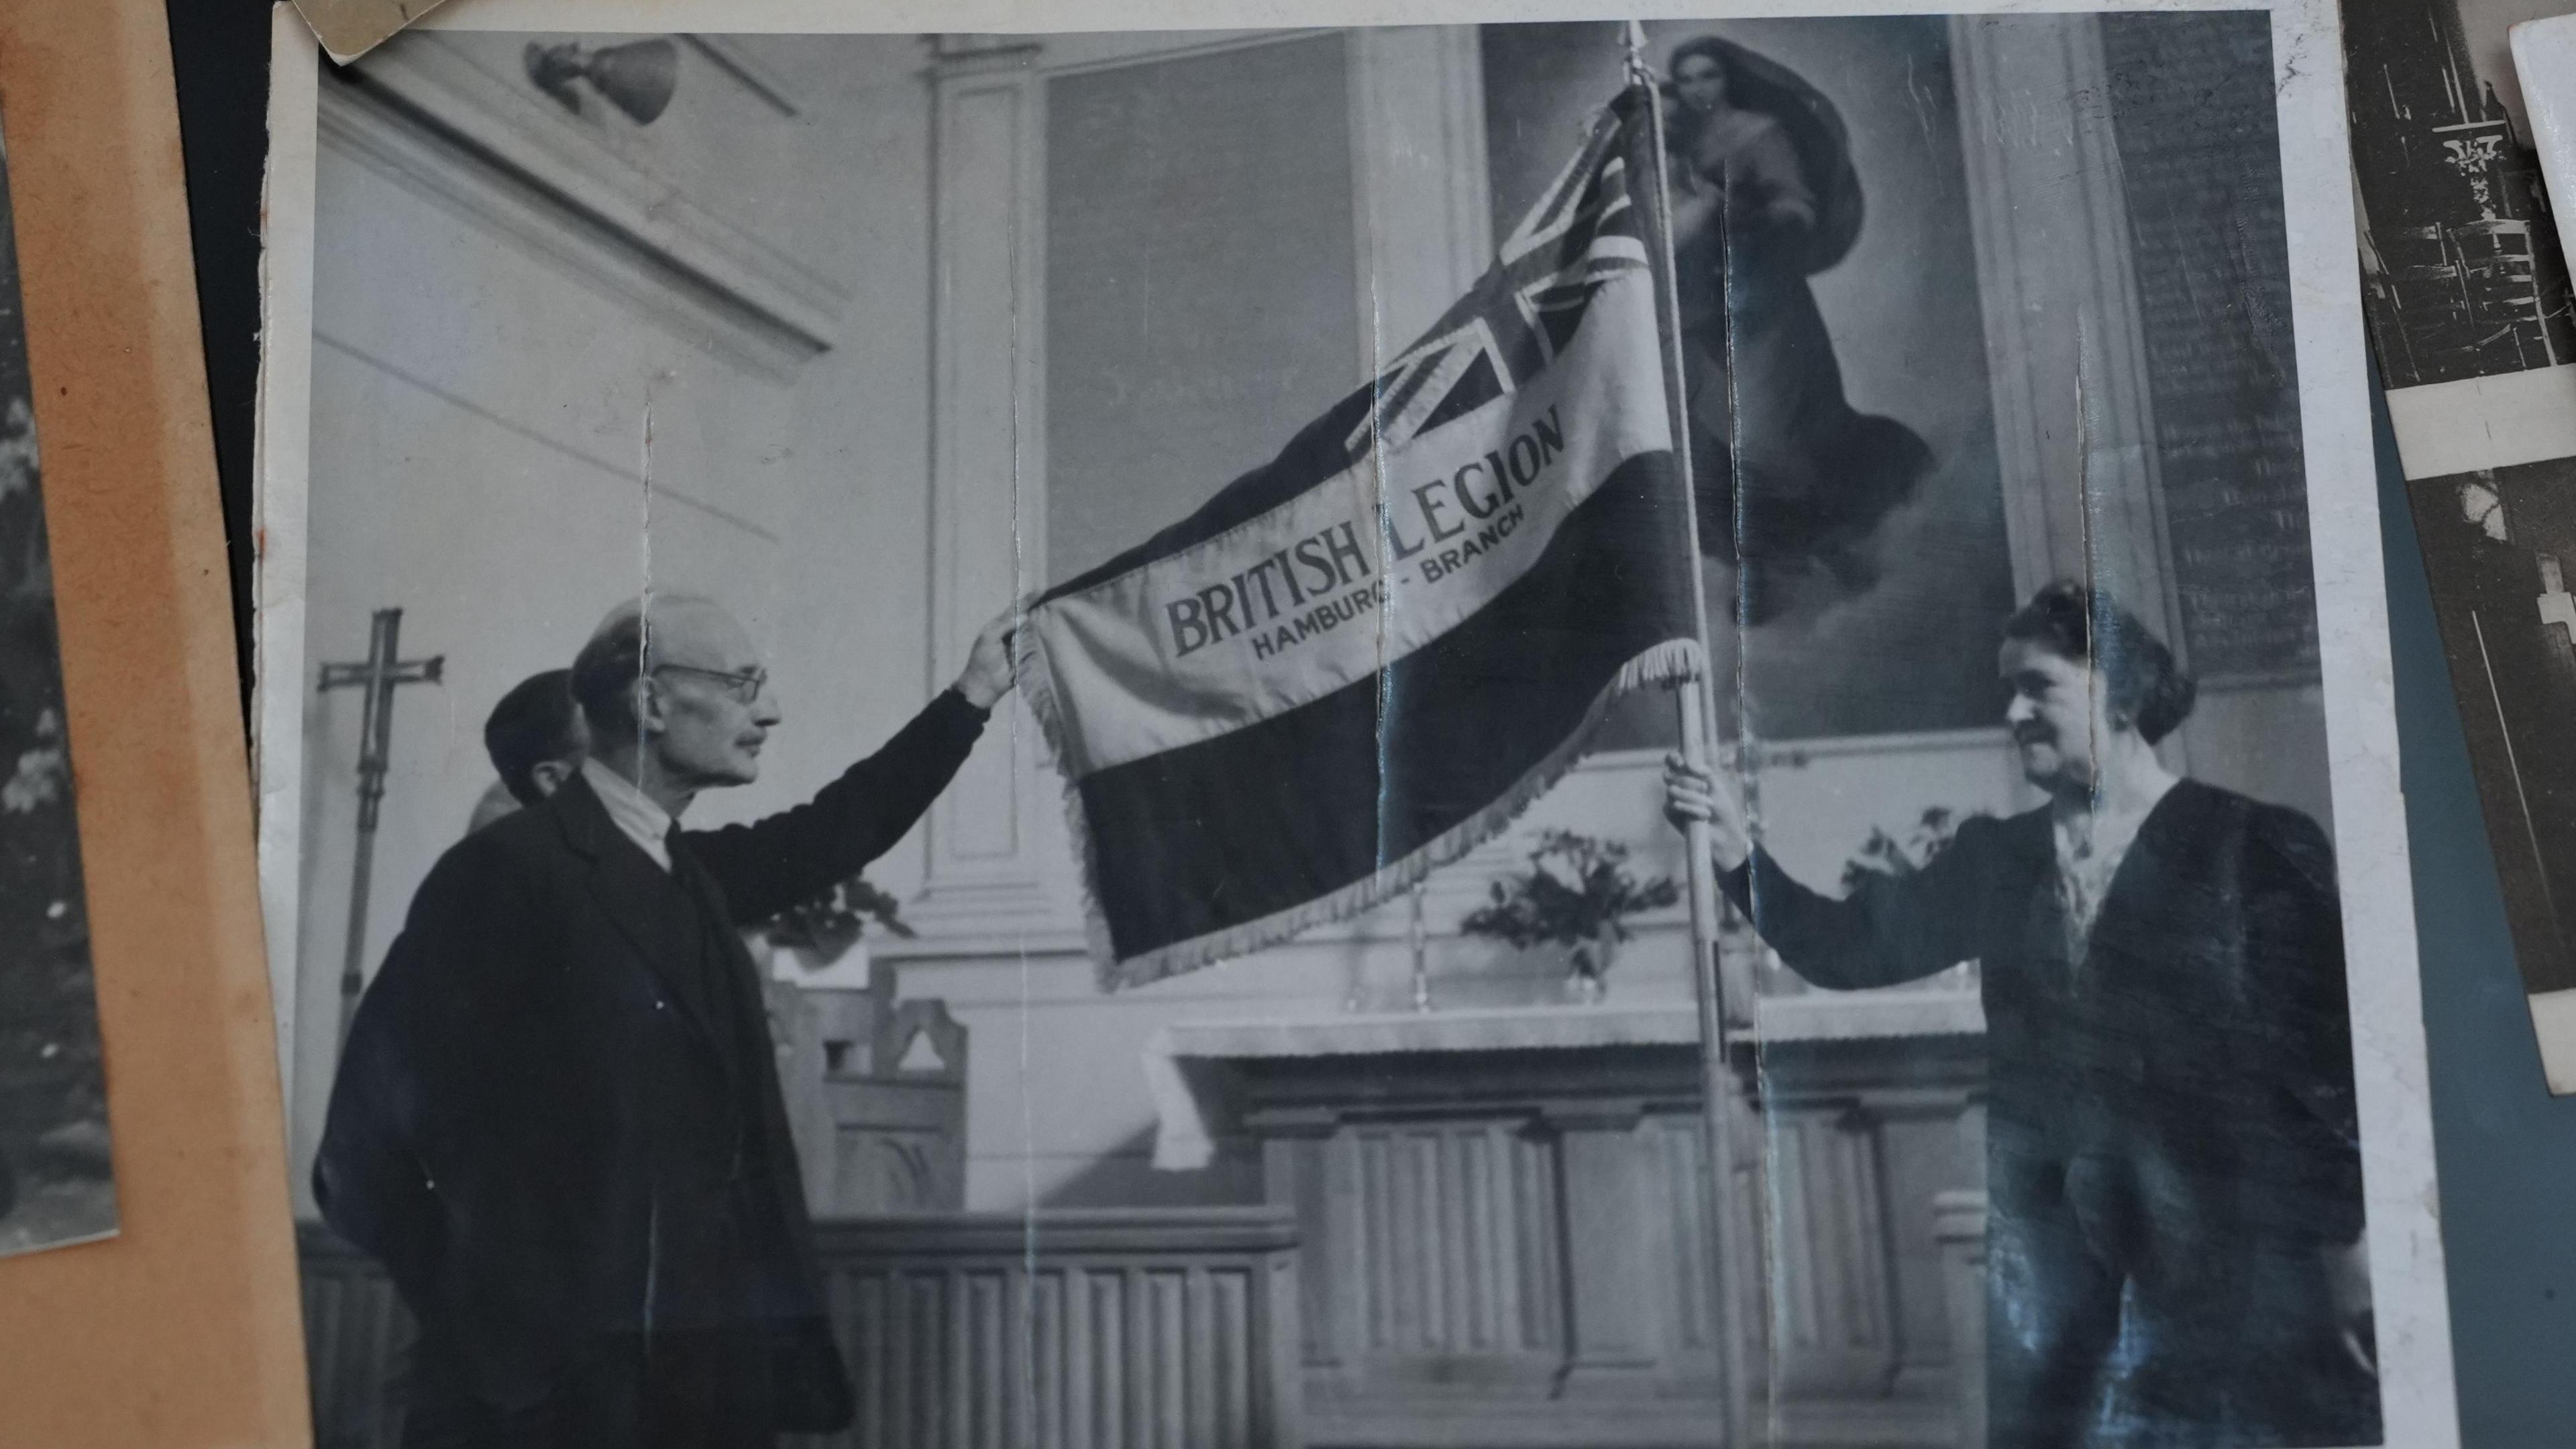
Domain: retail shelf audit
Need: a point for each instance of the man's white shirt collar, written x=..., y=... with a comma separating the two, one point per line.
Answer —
x=641, y=821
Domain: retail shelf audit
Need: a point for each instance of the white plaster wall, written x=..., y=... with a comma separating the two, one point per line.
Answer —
x=478, y=460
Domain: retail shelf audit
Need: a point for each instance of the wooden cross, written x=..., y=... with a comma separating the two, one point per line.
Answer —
x=379, y=674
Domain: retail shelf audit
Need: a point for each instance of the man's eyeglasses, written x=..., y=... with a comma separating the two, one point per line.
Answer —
x=744, y=686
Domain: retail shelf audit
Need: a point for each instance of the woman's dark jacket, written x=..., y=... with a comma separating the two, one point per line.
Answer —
x=2206, y=1023
x=2173, y=1147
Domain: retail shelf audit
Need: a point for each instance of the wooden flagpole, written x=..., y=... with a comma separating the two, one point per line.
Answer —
x=1693, y=702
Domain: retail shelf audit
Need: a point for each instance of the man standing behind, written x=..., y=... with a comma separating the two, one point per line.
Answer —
x=559, y=1122
x=536, y=739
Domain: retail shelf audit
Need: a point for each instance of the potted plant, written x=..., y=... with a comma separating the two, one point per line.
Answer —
x=1577, y=893
x=822, y=930
x=1884, y=854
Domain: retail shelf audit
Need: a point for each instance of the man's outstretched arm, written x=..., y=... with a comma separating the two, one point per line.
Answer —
x=796, y=855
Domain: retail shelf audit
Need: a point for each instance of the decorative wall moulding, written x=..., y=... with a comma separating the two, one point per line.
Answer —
x=428, y=116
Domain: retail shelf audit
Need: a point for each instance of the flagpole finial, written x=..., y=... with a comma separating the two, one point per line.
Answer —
x=1635, y=37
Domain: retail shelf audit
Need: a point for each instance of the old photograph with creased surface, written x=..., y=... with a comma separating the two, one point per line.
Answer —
x=2461, y=268
x=2471, y=317
x=1558, y=733
x=2500, y=540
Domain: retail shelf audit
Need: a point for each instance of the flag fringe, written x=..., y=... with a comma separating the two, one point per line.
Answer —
x=1037, y=691
x=1669, y=662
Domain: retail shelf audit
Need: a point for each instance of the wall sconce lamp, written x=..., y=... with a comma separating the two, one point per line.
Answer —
x=637, y=78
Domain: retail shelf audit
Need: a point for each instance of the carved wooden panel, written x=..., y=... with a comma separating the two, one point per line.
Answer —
x=1144, y=1328
x=876, y=1097
x=1451, y=1235
x=356, y=1333
x=1677, y=1153
x=1517, y=1246
x=1832, y=1268
x=1139, y=1329
x=1960, y=1226
x=1492, y=1247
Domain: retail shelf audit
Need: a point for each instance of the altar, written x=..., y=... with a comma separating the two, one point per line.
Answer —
x=1504, y=1218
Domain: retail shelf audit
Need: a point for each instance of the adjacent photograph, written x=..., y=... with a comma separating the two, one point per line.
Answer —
x=2461, y=267
x=1545, y=734
x=57, y=1180
x=2497, y=544
x=2474, y=327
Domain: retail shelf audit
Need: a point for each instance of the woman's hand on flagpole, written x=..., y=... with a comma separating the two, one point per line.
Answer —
x=987, y=676
x=1694, y=796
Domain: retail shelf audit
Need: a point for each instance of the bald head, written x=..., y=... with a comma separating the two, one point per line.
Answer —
x=675, y=679
x=634, y=637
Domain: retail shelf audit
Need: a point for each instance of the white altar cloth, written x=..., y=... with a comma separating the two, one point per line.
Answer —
x=1185, y=1140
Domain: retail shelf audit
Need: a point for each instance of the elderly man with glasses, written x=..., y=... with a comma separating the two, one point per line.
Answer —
x=559, y=1123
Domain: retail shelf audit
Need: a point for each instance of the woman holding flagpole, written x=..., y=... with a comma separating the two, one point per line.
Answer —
x=1791, y=478
x=2173, y=1167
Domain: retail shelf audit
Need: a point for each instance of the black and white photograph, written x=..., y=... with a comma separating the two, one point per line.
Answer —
x=57, y=1183
x=2497, y=543
x=1532, y=732
x=2466, y=290
x=2461, y=267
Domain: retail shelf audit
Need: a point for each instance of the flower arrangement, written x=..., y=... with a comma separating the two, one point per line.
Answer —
x=1884, y=854
x=828, y=924
x=1577, y=893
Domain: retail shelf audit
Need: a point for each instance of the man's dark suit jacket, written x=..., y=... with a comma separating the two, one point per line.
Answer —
x=539, y=1058
x=2170, y=1119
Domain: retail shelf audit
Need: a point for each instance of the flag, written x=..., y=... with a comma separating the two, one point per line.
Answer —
x=1363, y=659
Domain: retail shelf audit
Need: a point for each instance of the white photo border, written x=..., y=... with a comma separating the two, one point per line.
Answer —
x=2410, y=1293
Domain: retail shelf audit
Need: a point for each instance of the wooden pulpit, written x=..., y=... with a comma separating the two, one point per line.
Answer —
x=876, y=1096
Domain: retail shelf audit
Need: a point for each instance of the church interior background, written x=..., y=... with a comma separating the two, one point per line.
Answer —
x=867, y=335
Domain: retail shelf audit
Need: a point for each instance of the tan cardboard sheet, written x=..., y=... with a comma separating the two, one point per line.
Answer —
x=182, y=1331
x=350, y=28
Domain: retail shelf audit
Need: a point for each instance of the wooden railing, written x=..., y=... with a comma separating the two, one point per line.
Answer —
x=1138, y=1328
x=1959, y=1222
x=1134, y=1327
x=356, y=1337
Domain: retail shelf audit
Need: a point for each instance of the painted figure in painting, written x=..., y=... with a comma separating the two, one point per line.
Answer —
x=1791, y=479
